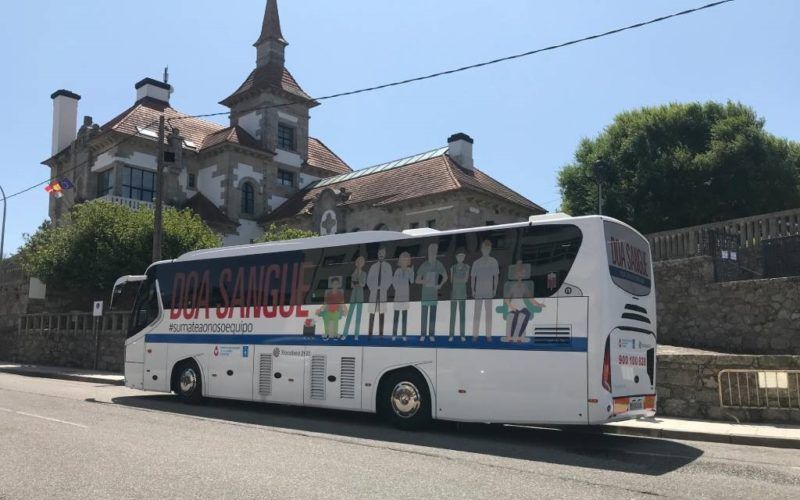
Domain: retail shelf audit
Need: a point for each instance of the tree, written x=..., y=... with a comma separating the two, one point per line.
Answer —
x=101, y=241
x=680, y=165
x=279, y=233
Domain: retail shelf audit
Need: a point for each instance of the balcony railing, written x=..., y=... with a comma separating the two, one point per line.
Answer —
x=688, y=242
x=128, y=202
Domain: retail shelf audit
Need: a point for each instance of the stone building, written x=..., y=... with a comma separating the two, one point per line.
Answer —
x=264, y=168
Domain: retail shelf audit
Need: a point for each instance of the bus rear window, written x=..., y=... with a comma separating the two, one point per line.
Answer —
x=628, y=259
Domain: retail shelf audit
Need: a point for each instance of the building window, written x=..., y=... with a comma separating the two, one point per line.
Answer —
x=285, y=137
x=104, y=182
x=285, y=178
x=431, y=223
x=414, y=225
x=138, y=184
x=248, y=199
x=192, y=181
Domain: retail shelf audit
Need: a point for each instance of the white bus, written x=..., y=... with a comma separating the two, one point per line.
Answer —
x=550, y=321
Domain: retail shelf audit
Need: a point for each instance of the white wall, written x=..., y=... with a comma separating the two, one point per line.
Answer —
x=289, y=158
x=250, y=122
x=243, y=170
x=276, y=201
x=137, y=159
x=210, y=186
x=248, y=231
x=306, y=179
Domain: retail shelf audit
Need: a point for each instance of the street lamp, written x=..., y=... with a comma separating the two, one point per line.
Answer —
x=600, y=171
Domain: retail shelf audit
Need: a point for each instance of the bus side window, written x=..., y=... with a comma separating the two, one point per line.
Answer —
x=550, y=251
x=146, y=309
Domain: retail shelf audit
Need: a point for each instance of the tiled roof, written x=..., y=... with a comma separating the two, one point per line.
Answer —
x=209, y=212
x=269, y=77
x=142, y=118
x=320, y=156
x=233, y=135
x=435, y=173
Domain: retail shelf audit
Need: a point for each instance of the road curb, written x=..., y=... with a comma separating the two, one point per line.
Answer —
x=61, y=376
x=748, y=440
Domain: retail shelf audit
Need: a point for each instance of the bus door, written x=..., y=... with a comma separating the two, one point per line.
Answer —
x=333, y=377
x=140, y=367
x=279, y=372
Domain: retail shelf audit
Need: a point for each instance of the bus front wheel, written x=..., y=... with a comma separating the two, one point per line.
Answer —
x=404, y=399
x=189, y=382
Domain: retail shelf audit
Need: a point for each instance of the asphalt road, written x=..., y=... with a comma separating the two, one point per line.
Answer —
x=61, y=439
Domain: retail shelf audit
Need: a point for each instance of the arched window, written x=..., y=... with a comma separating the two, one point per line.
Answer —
x=248, y=199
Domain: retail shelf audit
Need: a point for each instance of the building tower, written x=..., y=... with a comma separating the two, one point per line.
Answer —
x=270, y=105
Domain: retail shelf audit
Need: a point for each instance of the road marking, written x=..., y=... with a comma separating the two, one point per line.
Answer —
x=44, y=418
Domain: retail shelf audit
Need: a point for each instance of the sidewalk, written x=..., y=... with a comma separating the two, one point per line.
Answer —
x=63, y=373
x=771, y=435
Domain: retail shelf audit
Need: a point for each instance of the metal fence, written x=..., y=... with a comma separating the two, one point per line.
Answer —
x=781, y=256
x=759, y=389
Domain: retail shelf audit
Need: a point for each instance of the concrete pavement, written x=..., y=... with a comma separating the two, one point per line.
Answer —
x=772, y=435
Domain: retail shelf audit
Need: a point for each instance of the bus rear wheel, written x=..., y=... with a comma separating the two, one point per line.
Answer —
x=189, y=382
x=404, y=400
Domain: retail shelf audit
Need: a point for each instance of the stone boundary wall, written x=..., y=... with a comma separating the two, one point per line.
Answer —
x=748, y=317
x=66, y=348
x=687, y=386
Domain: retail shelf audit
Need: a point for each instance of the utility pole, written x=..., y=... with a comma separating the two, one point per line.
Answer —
x=3, y=230
x=157, y=227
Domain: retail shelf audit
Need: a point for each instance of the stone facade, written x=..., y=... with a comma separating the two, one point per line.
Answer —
x=687, y=386
x=749, y=317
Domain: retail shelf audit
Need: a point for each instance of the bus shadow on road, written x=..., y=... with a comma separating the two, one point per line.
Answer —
x=572, y=446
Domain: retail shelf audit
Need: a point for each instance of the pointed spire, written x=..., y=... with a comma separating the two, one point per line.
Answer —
x=271, y=28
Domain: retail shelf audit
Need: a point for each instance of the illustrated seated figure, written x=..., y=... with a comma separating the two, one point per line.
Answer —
x=519, y=306
x=333, y=309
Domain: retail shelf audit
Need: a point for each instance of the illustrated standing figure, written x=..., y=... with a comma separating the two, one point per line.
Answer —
x=357, y=282
x=403, y=278
x=333, y=309
x=485, y=276
x=459, y=275
x=379, y=279
x=428, y=276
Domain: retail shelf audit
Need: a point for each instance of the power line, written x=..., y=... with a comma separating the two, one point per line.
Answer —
x=415, y=79
x=485, y=63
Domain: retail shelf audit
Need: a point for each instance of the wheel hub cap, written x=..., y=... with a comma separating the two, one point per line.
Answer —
x=405, y=400
x=188, y=381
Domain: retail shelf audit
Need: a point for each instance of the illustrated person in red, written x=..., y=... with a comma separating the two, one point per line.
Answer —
x=333, y=309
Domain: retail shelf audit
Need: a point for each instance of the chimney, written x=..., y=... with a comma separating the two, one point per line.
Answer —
x=460, y=150
x=65, y=119
x=153, y=89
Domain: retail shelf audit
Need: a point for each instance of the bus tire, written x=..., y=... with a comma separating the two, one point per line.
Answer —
x=404, y=399
x=189, y=382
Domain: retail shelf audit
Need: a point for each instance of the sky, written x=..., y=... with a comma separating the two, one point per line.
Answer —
x=527, y=116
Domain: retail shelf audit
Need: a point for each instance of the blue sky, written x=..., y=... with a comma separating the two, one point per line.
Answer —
x=526, y=116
